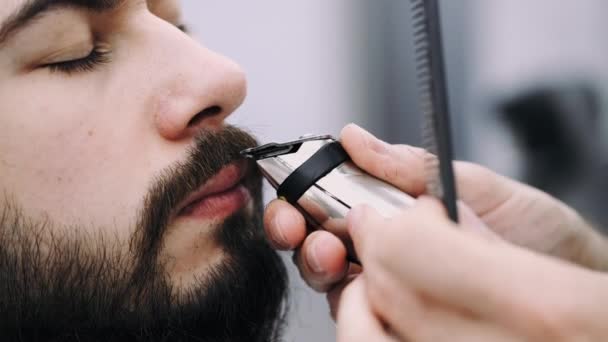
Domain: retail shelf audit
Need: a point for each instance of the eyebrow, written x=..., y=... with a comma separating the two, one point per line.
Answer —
x=33, y=9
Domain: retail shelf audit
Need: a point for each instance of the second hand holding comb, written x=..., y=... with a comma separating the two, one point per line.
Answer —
x=434, y=103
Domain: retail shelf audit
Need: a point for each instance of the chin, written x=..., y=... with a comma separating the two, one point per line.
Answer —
x=193, y=245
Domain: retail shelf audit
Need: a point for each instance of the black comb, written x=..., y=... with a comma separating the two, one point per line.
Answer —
x=430, y=71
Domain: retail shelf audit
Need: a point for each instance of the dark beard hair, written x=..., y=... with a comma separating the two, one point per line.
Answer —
x=89, y=287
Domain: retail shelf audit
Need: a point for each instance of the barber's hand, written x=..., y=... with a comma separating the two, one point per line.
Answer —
x=427, y=279
x=516, y=212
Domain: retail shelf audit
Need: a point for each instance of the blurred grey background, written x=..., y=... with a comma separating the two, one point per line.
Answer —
x=526, y=79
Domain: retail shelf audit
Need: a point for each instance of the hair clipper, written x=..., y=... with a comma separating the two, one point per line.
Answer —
x=316, y=175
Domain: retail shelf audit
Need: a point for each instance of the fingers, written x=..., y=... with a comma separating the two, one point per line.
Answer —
x=415, y=317
x=356, y=321
x=367, y=312
x=405, y=260
x=405, y=167
x=440, y=323
x=334, y=295
x=371, y=231
x=421, y=246
x=285, y=226
x=422, y=249
x=482, y=189
x=322, y=260
x=320, y=256
x=446, y=325
x=470, y=222
x=400, y=165
x=365, y=225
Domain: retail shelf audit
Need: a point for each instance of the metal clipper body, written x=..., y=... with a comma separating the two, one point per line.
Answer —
x=316, y=175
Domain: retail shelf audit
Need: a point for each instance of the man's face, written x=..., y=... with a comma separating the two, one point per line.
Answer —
x=113, y=142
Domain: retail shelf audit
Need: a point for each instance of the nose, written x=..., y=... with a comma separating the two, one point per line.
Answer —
x=202, y=88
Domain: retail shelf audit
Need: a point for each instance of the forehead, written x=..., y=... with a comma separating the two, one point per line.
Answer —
x=169, y=7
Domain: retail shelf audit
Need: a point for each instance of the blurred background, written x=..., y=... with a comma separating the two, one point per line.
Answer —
x=526, y=77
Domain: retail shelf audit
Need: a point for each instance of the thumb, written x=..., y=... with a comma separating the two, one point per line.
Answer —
x=363, y=224
x=400, y=165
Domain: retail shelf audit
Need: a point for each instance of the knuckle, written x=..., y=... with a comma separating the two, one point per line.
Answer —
x=390, y=170
x=411, y=151
x=404, y=166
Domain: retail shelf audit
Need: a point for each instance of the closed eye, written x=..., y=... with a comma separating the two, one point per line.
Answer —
x=95, y=58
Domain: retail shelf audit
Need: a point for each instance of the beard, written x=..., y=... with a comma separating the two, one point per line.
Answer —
x=79, y=286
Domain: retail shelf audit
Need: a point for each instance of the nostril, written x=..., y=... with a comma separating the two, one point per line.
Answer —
x=207, y=112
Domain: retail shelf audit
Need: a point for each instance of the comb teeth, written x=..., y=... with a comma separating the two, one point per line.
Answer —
x=422, y=51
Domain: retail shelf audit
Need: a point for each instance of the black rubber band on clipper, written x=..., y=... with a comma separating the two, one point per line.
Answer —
x=316, y=167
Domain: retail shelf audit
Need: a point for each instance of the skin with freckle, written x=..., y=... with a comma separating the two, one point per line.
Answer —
x=112, y=121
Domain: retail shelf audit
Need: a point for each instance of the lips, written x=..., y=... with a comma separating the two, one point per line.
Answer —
x=219, y=197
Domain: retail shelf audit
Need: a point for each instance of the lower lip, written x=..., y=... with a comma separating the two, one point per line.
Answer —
x=219, y=205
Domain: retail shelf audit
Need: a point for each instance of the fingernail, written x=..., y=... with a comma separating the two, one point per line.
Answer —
x=281, y=222
x=314, y=257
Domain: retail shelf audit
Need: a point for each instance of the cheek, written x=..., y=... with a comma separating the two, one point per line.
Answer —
x=66, y=157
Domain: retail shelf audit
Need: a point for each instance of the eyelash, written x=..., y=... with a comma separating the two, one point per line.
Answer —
x=96, y=58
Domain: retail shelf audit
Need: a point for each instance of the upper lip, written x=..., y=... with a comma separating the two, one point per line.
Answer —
x=227, y=178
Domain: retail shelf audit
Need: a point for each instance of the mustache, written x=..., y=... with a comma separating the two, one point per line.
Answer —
x=212, y=150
